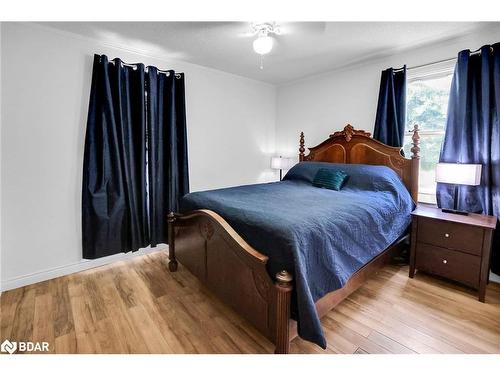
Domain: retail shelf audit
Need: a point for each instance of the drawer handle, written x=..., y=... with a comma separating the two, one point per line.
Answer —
x=447, y=235
x=445, y=261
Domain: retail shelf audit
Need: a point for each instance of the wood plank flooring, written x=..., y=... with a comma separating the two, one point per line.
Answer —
x=137, y=306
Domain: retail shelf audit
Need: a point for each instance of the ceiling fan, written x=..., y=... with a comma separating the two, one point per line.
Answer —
x=264, y=42
x=267, y=31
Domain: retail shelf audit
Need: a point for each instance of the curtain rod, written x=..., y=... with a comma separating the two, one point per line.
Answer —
x=476, y=52
x=428, y=64
x=134, y=66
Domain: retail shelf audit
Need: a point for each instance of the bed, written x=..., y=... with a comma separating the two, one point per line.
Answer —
x=284, y=254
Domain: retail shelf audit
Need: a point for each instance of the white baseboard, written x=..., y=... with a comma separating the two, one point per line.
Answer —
x=495, y=278
x=86, y=264
x=83, y=265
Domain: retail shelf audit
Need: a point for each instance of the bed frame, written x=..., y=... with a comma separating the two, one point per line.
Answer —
x=234, y=271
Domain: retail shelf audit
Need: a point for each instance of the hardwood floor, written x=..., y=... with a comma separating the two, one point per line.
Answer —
x=137, y=306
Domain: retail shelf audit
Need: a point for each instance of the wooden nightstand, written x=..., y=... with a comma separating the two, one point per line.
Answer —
x=453, y=246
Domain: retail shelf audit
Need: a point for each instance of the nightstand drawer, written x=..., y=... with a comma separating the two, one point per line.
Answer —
x=448, y=263
x=450, y=235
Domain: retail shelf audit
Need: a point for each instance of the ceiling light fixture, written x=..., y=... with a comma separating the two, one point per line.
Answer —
x=264, y=43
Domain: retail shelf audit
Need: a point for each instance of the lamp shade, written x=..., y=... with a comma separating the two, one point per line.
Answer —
x=459, y=174
x=277, y=162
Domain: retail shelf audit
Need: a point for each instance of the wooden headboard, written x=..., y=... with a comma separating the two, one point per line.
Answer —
x=353, y=146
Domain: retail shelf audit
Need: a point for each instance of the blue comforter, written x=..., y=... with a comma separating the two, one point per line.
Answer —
x=322, y=236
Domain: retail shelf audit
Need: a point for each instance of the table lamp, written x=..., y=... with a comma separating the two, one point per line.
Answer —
x=458, y=174
x=278, y=162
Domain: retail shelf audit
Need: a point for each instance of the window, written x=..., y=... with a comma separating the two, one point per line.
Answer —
x=427, y=96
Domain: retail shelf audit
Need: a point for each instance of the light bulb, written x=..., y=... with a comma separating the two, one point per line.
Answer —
x=263, y=44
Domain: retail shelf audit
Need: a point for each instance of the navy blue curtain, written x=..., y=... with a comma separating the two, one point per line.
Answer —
x=391, y=109
x=167, y=148
x=473, y=134
x=135, y=160
x=114, y=208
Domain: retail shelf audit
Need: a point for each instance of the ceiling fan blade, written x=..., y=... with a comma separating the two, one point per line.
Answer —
x=289, y=28
x=286, y=28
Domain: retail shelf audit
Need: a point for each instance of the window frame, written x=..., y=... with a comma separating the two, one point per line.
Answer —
x=421, y=74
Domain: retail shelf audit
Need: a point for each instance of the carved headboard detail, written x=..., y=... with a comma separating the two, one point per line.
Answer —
x=353, y=146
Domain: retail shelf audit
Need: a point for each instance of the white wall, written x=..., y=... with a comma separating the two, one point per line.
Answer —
x=324, y=103
x=45, y=91
x=0, y=160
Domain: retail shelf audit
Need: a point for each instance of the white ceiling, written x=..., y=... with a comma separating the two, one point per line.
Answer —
x=302, y=49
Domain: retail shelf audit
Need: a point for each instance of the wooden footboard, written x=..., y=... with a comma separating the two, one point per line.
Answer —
x=210, y=249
